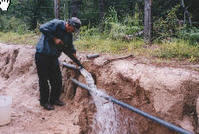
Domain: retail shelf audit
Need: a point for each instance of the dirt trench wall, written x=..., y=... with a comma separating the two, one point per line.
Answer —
x=166, y=92
x=16, y=60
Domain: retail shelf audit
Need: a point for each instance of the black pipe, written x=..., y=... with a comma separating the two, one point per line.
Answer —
x=92, y=56
x=81, y=84
x=70, y=66
x=153, y=118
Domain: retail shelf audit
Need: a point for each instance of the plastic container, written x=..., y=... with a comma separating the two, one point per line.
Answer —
x=5, y=109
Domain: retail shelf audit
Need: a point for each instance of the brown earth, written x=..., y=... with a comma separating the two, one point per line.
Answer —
x=168, y=91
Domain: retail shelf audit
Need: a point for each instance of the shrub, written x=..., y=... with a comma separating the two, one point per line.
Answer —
x=86, y=31
x=165, y=28
x=116, y=29
x=177, y=49
x=12, y=24
x=194, y=38
x=190, y=34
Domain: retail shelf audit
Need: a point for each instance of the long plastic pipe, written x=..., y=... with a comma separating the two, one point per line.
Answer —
x=92, y=56
x=70, y=66
x=153, y=118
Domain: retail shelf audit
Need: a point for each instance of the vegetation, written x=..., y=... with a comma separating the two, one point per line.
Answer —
x=110, y=27
x=16, y=38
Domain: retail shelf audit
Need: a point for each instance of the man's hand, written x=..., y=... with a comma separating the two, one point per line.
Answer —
x=58, y=41
x=74, y=54
x=79, y=64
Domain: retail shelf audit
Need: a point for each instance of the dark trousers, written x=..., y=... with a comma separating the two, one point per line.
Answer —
x=49, y=74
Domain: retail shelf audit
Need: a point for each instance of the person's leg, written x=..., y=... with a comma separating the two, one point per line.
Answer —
x=56, y=83
x=42, y=63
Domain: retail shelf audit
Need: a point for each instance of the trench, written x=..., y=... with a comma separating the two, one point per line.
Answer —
x=106, y=117
x=105, y=120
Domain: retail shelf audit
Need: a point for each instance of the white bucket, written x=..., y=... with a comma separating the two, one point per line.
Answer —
x=5, y=109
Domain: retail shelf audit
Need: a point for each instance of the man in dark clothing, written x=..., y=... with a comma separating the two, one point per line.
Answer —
x=56, y=38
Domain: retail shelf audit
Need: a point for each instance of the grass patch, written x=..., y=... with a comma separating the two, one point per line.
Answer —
x=177, y=49
x=106, y=45
x=15, y=38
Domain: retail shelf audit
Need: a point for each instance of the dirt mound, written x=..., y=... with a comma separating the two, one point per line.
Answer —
x=171, y=93
x=166, y=92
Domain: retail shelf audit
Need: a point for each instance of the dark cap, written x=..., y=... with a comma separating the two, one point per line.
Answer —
x=75, y=22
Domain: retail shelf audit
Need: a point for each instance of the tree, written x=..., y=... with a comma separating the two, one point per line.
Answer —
x=186, y=13
x=147, y=21
x=101, y=9
x=75, y=7
x=56, y=8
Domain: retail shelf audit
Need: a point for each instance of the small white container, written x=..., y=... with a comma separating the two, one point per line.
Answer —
x=5, y=109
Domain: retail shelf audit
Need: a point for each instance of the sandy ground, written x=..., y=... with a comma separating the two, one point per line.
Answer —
x=27, y=117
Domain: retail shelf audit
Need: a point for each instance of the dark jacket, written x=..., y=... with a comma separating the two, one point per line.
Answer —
x=55, y=28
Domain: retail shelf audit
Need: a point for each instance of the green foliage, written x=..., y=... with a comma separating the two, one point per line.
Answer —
x=178, y=49
x=12, y=24
x=160, y=8
x=165, y=28
x=87, y=32
x=111, y=16
x=113, y=28
x=116, y=29
x=23, y=16
x=132, y=24
x=15, y=38
x=194, y=38
x=89, y=12
x=190, y=34
x=106, y=45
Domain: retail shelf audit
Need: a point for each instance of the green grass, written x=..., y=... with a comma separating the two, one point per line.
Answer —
x=105, y=45
x=15, y=38
x=177, y=49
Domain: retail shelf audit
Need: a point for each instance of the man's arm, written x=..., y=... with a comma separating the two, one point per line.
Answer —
x=49, y=28
x=73, y=57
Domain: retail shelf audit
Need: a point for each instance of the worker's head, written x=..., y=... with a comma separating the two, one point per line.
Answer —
x=73, y=24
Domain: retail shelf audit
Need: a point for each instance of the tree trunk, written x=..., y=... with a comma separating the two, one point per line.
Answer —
x=56, y=8
x=101, y=9
x=35, y=14
x=186, y=13
x=147, y=21
x=75, y=7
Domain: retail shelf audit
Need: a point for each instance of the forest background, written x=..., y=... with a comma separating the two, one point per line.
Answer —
x=112, y=26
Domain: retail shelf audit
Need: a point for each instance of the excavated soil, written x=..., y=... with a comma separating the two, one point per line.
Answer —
x=168, y=91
